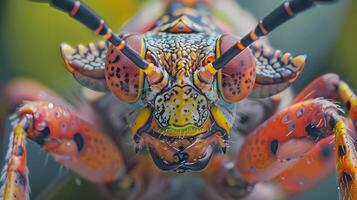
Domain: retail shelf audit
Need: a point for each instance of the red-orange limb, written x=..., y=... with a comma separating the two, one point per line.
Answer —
x=313, y=167
x=320, y=160
x=309, y=170
x=324, y=86
x=329, y=86
x=69, y=139
x=285, y=138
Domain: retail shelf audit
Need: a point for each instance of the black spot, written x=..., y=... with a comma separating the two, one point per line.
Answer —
x=244, y=119
x=347, y=177
x=325, y=151
x=332, y=122
x=20, y=151
x=314, y=133
x=116, y=59
x=341, y=150
x=79, y=141
x=40, y=139
x=20, y=178
x=348, y=105
x=274, y=146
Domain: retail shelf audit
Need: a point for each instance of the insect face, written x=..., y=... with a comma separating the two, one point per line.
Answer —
x=186, y=111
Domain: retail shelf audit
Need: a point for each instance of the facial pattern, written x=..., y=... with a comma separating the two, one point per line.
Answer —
x=179, y=117
x=179, y=52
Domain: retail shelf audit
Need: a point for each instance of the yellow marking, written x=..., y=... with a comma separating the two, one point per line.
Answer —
x=285, y=58
x=240, y=46
x=185, y=131
x=219, y=74
x=345, y=164
x=299, y=61
x=253, y=36
x=211, y=69
x=12, y=189
x=108, y=35
x=67, y=52
x=167, y=56
x=345, y=92
x=220, y=119
x=193, y=55
x=82, y=50
x=141, y=73
x=165, y=18
x=348, y=96
x=126, y=183
x=121, y=45
x=140, y=120
x=266, y=52
x=151, y=68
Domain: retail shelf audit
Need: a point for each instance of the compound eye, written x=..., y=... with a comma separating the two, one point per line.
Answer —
x=123, y=77
x=237, y=78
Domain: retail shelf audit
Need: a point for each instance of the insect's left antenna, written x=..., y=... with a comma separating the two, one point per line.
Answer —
x=87, y=17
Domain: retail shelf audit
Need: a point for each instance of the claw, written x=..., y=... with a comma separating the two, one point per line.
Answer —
x=224, y=150
x=285, y=138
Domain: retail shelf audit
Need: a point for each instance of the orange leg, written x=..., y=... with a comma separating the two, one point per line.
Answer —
x=320, y=160
x=282, y=140
x=69, y=139
x=56, y=127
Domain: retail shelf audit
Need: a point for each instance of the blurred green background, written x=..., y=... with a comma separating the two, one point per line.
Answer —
x=30, y=35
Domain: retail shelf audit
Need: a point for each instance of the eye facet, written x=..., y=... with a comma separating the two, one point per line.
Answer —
x=123, y=78
x=237, y=78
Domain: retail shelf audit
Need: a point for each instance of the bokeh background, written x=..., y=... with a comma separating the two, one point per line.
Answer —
x=30, y=35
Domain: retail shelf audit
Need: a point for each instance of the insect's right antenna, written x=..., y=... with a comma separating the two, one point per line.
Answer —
x=277, y=17
x=88, y=18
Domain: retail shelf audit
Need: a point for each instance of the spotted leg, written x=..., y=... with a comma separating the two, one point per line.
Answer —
x=283, y=139
x=320, y=160
x=69, y=139
x=57, y=128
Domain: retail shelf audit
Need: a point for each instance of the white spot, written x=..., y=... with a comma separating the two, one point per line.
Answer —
x=300, y=112
x=50, y=105
x=286, y=119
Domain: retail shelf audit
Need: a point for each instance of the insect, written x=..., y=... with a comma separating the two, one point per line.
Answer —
x=183, y=81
